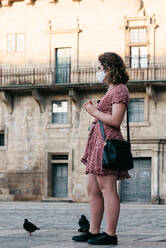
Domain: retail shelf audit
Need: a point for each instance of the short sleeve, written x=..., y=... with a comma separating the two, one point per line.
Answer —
x=120, y=95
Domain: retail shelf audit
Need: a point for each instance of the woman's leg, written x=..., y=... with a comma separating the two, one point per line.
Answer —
x=96, y=204
x=108, y=186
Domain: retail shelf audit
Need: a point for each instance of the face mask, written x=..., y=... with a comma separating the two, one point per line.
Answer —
x=100, y=76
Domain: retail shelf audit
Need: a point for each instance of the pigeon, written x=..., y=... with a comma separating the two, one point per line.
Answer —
x=84, y=224
x=30, y=227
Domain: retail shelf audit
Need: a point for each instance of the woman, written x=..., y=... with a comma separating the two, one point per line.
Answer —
x=102, y=183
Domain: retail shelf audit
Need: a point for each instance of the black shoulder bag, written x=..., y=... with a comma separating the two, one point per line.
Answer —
x=117, y=153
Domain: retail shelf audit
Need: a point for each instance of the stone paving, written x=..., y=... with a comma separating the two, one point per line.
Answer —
x=140, y=225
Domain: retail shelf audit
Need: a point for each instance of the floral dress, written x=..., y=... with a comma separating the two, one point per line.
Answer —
x=93, y=153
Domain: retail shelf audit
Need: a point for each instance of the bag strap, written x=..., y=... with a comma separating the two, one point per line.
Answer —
x=102, y=130
x=128, y=129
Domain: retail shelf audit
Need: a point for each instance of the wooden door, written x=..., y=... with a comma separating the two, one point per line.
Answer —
x=138, y=187
x=60, y=180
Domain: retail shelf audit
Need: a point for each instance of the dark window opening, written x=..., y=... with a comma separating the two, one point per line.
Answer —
x=2, y=139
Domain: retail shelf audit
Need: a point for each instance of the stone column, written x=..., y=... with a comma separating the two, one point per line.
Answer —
x=155, y=177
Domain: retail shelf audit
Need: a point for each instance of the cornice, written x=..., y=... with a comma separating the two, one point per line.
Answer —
x=65, y=31
x=7, y=3
x=148, y=141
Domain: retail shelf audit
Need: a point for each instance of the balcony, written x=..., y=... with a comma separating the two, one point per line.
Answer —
x=73, y=75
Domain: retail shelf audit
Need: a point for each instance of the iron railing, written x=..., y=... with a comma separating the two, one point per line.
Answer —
x=65, y=75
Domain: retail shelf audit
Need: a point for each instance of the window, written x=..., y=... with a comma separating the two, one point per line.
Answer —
x=60, y=157
x=59, y=112
x=20, y=43
x=63, y=65
x=136, y=110
x=138, y=35
x=139, y=58
x=138, y=47
x=11, y=43
x=2, y=138
x=15, y=43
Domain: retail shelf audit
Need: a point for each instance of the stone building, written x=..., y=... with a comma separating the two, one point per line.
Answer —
x=48, y=57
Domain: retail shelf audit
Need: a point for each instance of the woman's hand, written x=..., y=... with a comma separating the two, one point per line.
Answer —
x=114, y=119
x=90, y=108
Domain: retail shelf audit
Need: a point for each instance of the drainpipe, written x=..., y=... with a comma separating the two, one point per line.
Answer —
x=154, y=47
x=77, y=44
x=158, y=174
x=50, y=28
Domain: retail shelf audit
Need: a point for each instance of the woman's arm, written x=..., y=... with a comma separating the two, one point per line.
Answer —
x=114, y=120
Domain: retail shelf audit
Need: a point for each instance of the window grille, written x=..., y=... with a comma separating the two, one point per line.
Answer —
x=136, y=110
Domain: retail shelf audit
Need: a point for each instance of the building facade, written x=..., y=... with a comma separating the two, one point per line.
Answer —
x=48, y=57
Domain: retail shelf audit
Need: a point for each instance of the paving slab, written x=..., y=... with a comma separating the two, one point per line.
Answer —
x=140, y=225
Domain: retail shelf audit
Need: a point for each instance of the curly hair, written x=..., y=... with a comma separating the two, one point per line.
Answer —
x=114, y=66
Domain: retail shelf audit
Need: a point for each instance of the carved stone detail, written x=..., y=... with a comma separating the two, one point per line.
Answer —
x=74, y=97
x=150, y=91
x=140, y=4
x=29, y=2
x=40, y=99
x=73, y=94
x=8, y=100
x=53, y=1
x=6, y=3
x=141, y=8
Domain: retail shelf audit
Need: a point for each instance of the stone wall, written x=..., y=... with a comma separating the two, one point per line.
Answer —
x=88, y=27
x=25, y=171
x=31, y=137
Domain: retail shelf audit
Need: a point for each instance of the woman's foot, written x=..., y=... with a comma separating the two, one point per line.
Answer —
x=104, y=239
x=85, y=237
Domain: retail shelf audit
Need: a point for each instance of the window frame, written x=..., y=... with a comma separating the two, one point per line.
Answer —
x=13, y=45
x=2, y=132
x=146, y=122
x=137, y=115
x=62, y=69
x=138, y=44
x=51, y=125
x=139, y=58
x=49, y=162
x=20, y=50
x=60, y=101
x=137, y=22
x=15, y=50
x=5, y=131
x=138, y=28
